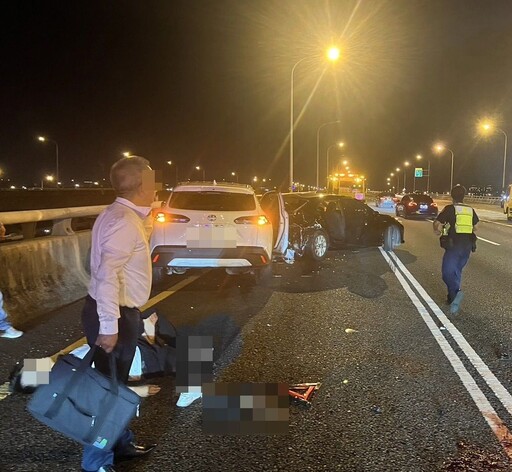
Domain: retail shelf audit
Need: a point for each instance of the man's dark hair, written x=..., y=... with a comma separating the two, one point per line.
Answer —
x=458, y=192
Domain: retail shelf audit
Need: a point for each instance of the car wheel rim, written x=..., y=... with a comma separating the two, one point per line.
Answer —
x=320, y=246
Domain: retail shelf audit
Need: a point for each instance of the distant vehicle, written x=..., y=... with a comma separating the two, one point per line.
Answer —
x=386, y=200
x=346, y=221
x=348, y=184
x=209, y=224
x=415, y=205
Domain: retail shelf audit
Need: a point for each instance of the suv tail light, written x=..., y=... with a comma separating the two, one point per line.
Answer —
x=252, y=220
x=163, y=217
x=412, y=204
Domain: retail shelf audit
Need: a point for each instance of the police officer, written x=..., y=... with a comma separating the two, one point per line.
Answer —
x=456, y=225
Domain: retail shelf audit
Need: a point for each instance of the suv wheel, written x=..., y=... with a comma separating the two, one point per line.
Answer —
x=317, y=246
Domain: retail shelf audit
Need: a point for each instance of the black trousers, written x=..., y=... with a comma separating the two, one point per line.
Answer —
x=130, y=326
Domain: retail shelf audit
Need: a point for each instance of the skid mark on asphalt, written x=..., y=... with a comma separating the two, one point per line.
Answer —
x=496, y=424
x=4, y=388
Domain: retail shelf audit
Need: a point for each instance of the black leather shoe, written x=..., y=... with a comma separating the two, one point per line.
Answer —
x=133, y=450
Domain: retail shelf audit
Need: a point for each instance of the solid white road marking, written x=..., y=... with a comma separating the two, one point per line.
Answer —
x=493, y=420
x=487, y=241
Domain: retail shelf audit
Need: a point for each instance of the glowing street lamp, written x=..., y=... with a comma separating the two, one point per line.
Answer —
x=201, y=168
x=488, y=127
x=169, y=163
x=406, y=164
x=419, y=157
x=339, y=145
x=44, y=139
x=440, y=148
x=234, y=174
x=48, y=178
x=333, y=55
x=318, y=150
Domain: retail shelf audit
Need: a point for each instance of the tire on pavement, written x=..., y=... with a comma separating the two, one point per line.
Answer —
x=392, y=237
x=317, y=245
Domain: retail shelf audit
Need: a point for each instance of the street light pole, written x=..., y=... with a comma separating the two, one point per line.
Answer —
x=318, y=151
x=451, y=173
x=175, y=170
x=201, y=168
x=504, y=158
x=406, y=164
x=439, y=148
x=292, y=124
x=340, y=145
x=333, y=55
x=43, y=139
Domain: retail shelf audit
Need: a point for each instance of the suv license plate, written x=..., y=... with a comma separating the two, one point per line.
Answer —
x=211, y=237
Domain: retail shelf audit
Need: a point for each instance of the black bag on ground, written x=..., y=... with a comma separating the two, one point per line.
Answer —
x=83, y=404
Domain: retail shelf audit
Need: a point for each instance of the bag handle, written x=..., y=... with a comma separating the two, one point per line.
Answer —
x=82, y=367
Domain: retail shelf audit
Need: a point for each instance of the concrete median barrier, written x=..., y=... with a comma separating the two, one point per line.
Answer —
x=40, y=275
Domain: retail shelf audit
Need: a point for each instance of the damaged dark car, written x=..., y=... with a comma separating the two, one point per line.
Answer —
x=345, y=221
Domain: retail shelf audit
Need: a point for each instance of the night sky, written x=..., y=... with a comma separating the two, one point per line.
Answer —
x=208, y=83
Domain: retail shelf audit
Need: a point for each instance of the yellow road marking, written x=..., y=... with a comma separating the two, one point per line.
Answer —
x=152, y=302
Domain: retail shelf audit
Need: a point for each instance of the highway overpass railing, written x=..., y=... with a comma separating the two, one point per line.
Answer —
x=37, y=274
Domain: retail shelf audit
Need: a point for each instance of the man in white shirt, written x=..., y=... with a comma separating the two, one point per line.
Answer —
x=120, y=284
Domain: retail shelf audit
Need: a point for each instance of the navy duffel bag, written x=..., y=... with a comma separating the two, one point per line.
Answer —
x=83, y=404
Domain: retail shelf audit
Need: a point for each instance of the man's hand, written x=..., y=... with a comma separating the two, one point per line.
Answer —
x=107, y=342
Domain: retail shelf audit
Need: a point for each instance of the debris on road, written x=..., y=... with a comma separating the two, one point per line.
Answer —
x=303, y=393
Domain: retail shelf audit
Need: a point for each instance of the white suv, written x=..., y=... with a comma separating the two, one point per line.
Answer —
x=209, y=224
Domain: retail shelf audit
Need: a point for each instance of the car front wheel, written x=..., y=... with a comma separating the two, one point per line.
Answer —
x=392, y=238
x=317, y=246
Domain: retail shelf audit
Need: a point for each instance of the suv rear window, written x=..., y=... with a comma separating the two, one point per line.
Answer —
x=213, y=201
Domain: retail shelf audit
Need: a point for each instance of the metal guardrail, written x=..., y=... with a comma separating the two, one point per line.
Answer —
x=60, y=218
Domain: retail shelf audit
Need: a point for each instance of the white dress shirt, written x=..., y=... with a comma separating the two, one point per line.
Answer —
x=120, y=261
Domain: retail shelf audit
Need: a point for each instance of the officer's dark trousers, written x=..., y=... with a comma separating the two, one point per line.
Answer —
x=454, y=260
x=130, y=326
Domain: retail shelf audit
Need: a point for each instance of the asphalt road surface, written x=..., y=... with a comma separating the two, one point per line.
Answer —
x=405, y=386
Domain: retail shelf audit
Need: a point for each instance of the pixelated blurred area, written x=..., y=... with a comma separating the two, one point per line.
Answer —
x=37, y=371
x=245, y=408
x=194, y=363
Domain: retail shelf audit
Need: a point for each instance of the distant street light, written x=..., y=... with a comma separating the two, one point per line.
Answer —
x=439, y=148
x=419, y=157
x=406, y=164
x=318, y=150
x=234, y=174
x=44, y=139
x=488, y=127
x=201, y=168
x=169, y=163
x=339, y=145
x=333, y=55
x=48, y=178
x=398, y=180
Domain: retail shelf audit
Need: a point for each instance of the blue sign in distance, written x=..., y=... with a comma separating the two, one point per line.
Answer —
x=418, y=172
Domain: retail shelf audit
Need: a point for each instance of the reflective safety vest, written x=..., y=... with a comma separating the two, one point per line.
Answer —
x=463, y=219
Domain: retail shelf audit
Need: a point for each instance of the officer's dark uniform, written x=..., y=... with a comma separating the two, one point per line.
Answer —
x=458, y=242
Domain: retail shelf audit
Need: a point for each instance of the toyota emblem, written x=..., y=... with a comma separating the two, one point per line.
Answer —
x=211, y=218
